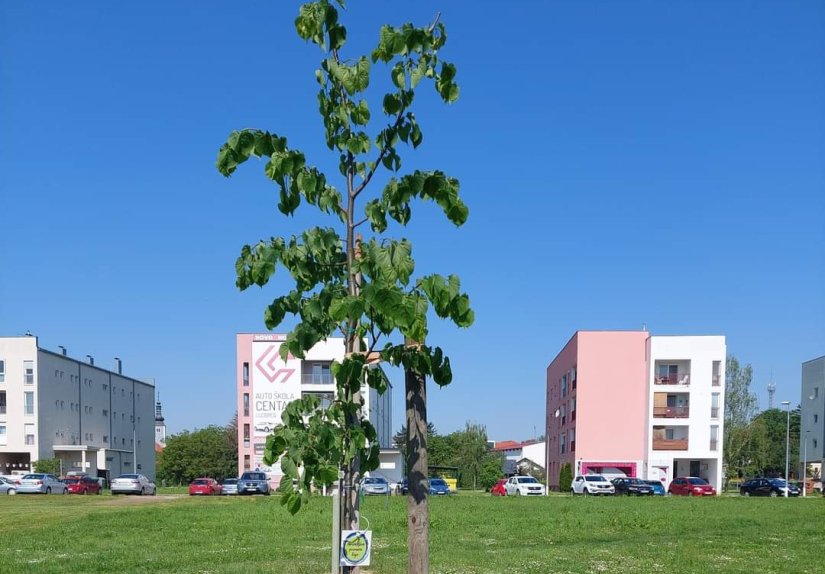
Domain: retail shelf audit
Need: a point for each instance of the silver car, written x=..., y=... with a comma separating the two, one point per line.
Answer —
x=375, y=485
x=7, y=486
x=41, y=483
x=133, y=484
x=230, y=486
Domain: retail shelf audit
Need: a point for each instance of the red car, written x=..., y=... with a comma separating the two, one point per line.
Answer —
x=205, y=487
x=82, y=485
x=498, y=488
x=691, y=486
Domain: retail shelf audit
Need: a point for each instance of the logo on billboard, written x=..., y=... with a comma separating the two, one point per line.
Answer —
x=266, y=365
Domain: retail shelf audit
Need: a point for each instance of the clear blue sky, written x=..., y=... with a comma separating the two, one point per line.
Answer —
x=624, y=163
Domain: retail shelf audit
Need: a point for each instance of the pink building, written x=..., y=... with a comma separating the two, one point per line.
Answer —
x=625, y=403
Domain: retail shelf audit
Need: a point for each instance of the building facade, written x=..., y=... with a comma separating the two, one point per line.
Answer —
x=266, y=384
x=625, y=403
x=812, y=413
x=53, y=406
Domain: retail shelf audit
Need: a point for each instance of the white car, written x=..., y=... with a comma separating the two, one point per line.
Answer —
x=523, y=485
x=133, y=484
x=41, y=483
x=592, y=484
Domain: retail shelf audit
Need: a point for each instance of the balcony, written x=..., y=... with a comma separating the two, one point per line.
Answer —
x=670, y=444
x=317, y=379
x=672, y=379
x=671, y=412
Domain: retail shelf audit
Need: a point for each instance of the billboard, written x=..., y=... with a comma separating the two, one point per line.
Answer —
x=275, y=383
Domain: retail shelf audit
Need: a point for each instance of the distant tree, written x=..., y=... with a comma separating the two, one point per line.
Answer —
x=771, y=428
x=47, y=466
x=399, y=439
x=471, y=453
x=492, y=468
x=565, y=478
x=740, y=407
x=204, y=452
x=231, y=436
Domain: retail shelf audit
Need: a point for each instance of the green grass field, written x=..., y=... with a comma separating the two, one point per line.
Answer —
x=469, y=533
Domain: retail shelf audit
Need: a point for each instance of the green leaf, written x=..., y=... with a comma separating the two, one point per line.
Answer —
x=399, y=77
x=392, y=104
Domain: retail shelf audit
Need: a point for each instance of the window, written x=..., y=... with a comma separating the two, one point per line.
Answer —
x=246, y=462
x=563, y=444
x=3, y=435
x=246, y=374
x=105, y=413
x=816, y=392
x=2, y=402
x=716, y=379
x=1, y=438
x=28, y=403
x=246, y=404
x=29, y=432
x=573, y=379
x=714, y=406
x=105, y=387
x=246, y=432
x=28, y=372
x=572, y=440
x=2, y=372
x=714, y=438
x=573, y=409
x=106, y=438
x=816, y=418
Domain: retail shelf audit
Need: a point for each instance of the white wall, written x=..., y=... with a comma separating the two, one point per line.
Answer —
x=534, y=452
x=701, y=351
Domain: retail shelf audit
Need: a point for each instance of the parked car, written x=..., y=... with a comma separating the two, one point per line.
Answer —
x=438, y=487
x=498, y=488
x=204, y=487
x=372, y=485
x=658, y=487
x=133, y=484
x=767, y=487
x=592, y=484
x=230, y=486
x=253, y=483
x=523, y=485
x=690, y=486
x=82, y=485
x=40, y=483
x=631, y=486
x=7, y=486
x=404, y=486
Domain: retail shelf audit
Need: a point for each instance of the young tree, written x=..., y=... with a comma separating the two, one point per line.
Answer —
x=363, y=289
x=565, y=477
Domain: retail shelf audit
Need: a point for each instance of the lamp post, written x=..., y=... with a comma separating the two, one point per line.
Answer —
x=787, y=446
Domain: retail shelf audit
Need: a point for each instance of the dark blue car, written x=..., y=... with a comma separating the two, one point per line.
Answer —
x=438, y=487
x=658, y=487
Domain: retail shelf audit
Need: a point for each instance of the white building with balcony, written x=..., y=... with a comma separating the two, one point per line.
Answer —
x=92, y=419
x=686, y=416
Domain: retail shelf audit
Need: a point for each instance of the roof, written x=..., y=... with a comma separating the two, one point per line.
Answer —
x=511, y=444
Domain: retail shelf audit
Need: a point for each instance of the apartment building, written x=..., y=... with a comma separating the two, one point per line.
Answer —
x=266, y=384
x=626, y=403
x=92, y=419
x=812, y=413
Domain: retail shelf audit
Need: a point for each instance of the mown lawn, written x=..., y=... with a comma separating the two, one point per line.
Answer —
x=469, y=534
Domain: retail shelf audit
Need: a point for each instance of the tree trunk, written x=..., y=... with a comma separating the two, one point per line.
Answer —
x=418, y=527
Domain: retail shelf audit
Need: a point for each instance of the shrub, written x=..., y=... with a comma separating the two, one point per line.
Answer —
x=565, y=478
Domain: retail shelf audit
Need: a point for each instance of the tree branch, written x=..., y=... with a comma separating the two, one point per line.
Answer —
x=381, y=155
